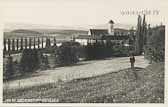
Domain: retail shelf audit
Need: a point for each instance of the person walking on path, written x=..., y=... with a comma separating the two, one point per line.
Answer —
x=132, y=61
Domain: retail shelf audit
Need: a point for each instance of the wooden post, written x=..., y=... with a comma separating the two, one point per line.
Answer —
x=25, y=43
x=30, y=42
x=4, y=45
x=13, y=44
x=9, y=44
x=17, y=44
x=21, y=47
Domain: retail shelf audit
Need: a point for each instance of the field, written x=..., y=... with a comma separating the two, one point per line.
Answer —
x=99, y=82
x=115, y=87
x=80, y=70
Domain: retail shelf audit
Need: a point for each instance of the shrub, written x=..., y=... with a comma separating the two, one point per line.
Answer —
x=8, y=69
x=101, y=50
x=155, y=48
x=67, y=53
x=29, y=61
x=43, y=61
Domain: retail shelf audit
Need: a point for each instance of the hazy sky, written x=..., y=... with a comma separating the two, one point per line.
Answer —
x=80, y=12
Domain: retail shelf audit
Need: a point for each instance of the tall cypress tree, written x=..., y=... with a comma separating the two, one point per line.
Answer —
x=34, y=43
x=17, y=44
x=13, y=44
x=144, y=31
x=30, y=43
x=25, y=43
x=42, y=43
x=9, y=44
x=55, y=42
x=137, y=35
x=4, y=45
x=38, y=43
x=21, y=47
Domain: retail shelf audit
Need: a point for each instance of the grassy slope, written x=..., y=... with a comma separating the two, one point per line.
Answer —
x=116, y=87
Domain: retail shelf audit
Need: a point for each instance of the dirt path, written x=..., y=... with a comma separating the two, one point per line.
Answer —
x=83, y=69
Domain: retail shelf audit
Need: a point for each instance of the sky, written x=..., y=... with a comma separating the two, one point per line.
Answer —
x=80, y=12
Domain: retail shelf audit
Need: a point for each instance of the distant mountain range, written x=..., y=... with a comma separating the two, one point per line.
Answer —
x=14, y=26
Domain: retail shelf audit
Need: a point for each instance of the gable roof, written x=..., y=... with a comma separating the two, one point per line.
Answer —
x=98, y=31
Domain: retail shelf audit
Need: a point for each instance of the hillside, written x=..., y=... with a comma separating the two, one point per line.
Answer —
x=25, y=31
x=116, y=87
x=42, y=32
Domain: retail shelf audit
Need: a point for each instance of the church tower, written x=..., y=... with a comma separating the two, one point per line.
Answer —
x=111, y=28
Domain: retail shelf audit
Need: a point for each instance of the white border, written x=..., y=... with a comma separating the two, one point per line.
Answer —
x=88, y=104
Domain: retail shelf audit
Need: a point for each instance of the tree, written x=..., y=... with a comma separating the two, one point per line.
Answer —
x=155, y=48
x=144, y=33
x=8, y=68
x=29, y=61
x=43, y=61
x=141, y=35
x=66, y=54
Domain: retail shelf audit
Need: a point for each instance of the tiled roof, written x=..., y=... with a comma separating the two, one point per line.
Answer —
x=99, y=31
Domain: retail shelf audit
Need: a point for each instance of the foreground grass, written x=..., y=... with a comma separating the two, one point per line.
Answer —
x=117, y=87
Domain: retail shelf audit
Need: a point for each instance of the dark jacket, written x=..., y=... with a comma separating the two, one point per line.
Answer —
x=132, y=59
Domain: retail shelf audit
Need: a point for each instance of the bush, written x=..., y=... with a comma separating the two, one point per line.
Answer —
x=8, y=70
x=43, y=61
x=66, y=54
x=29, y=61
x=101, y=50
x=155, y=48
x=120, y=51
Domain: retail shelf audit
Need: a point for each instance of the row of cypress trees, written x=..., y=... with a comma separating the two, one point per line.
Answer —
x=23, y=42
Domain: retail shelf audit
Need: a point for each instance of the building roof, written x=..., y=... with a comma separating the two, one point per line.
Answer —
x=98, y=31
x=111, y=22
